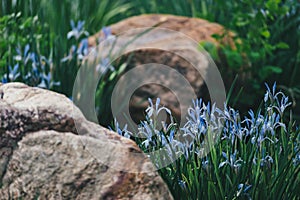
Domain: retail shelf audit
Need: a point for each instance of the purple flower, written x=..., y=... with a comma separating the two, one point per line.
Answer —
x=4, y=80
x=106, y=31
x=155, y=110
x=25, y=57
x=47, y=81
x=232, y=161
x=77, y=31
x=13, y=74
x=243, y=190
x=83, y=48
x=121, y=131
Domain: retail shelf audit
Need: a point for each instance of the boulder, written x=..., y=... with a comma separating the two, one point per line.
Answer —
x=172, y=42
x=195, y=28
x=50, y=151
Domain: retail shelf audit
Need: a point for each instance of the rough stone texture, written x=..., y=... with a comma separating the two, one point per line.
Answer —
x=195, y=28
x=43, y=155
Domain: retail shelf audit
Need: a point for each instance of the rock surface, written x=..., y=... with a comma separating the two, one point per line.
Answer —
x=167, y=48
x=196, y=28
x=50, y=151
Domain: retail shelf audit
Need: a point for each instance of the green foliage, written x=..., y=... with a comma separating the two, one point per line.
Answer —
x=256, y=157
x=25, y=51
x=266, y=43
x=106, y=85
x=58, y=14
x=17, y=31
x=267, y=36
x=33, y=44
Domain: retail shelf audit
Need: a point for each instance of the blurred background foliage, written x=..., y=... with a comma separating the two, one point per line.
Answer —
x=267, y=35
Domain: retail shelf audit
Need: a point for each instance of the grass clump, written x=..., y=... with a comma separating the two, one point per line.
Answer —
x=218, y=154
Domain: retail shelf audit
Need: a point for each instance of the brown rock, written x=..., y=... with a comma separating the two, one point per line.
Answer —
x=50, y=151
x=196, y=28
x=174, y=43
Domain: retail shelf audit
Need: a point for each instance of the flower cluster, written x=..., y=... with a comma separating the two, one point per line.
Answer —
x=80, y=47
x=30, y=68
x=243, y=190
x=231, y=160
x=257, y=140
x=203, y=118
x=121, y=131
x=156, y=136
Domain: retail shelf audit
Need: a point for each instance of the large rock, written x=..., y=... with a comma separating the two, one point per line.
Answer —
x=167, y=47
x=50, y=151
x=196, y=28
